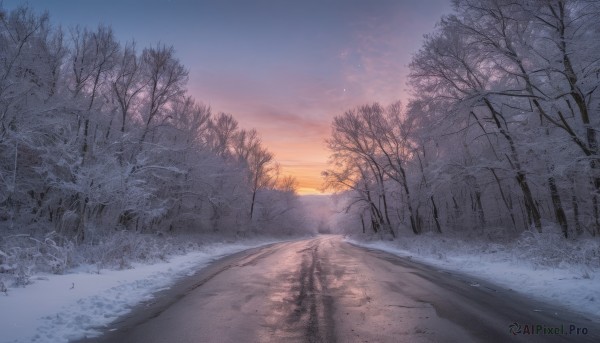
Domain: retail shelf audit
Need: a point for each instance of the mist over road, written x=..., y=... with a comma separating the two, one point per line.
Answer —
x=327, y=290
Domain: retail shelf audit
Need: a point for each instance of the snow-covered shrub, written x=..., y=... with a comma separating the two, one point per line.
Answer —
x=121, y=249
x=550, y=249
x=24, y=255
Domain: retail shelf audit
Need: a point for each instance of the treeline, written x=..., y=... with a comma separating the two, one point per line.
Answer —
x=500, y=134
x=98, y=136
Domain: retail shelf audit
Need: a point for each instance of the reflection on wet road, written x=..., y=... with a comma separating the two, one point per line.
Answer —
x=326, y=290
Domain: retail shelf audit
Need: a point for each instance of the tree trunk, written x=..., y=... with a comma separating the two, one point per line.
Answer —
x=558, y=209
x=504, y=199
x=574, y=203
x=530, y=205
x=362, y=221
x=435, y=216
x=252, y=204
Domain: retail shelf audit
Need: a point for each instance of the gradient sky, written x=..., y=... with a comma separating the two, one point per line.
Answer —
x=283, y=67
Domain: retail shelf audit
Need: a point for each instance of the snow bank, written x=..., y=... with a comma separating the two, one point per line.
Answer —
x=568, y=281
x=59, y=308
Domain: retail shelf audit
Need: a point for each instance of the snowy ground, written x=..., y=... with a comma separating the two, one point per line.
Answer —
x=573, y=285
x=59, y=308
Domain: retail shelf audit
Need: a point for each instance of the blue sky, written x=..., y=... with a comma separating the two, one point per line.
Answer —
x=283, y=67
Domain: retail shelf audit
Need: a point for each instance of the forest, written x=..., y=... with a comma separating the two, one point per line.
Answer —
x=106, y=157
x=101, y=145
x=129, y=206
x=499, y=135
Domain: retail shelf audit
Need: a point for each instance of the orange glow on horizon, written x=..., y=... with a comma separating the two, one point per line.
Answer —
x=310, y=191
x=307, y=175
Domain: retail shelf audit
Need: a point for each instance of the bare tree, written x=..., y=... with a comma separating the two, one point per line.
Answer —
x=127, y=82
x=260, y=169
x=165, y=78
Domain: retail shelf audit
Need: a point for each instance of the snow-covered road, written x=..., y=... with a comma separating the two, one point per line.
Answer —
x=60, y=308
x=326, y=290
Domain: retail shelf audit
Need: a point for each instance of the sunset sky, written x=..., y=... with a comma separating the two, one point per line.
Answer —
x=284, y=67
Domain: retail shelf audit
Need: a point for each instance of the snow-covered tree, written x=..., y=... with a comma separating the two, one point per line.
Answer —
x=96, y=137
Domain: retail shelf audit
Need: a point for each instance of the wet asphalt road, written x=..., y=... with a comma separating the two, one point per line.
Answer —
x=326, y=290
